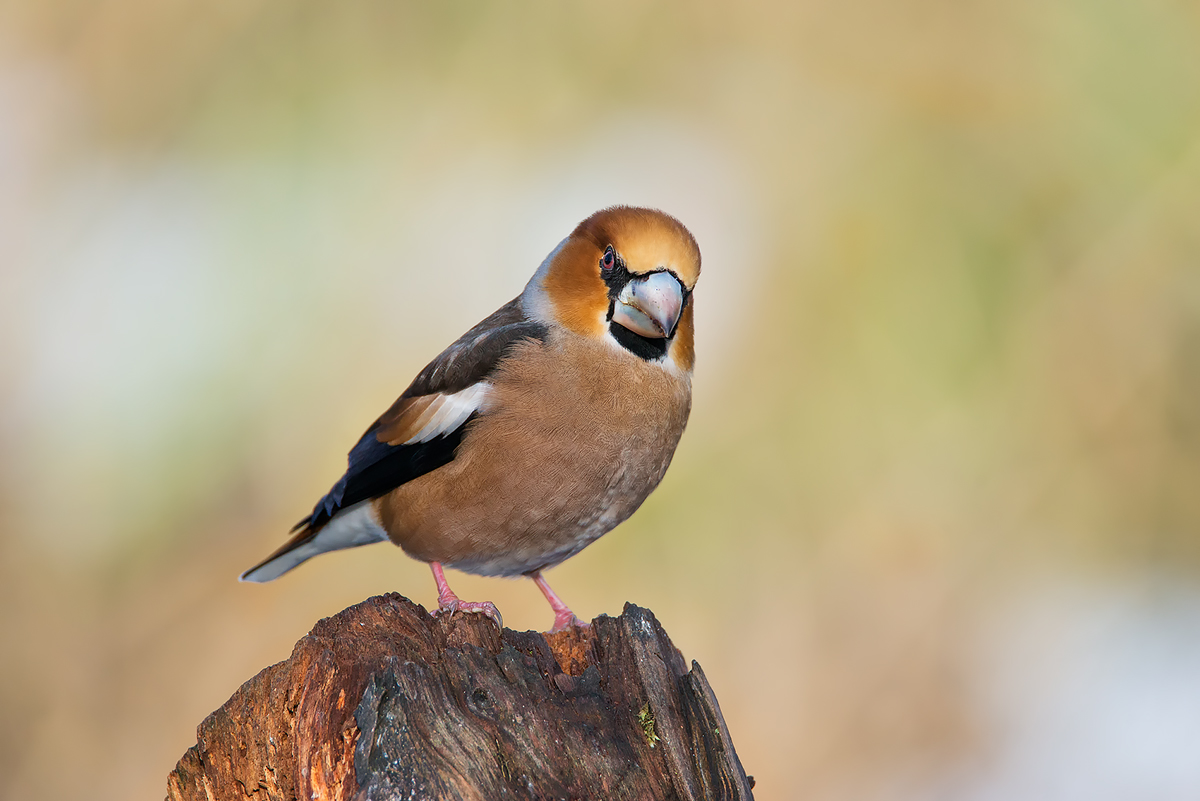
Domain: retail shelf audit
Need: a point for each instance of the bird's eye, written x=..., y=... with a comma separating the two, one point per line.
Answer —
x=610, y=258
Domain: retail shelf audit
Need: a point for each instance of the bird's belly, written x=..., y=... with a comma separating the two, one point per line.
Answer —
x=533, y=485
x=560, y=525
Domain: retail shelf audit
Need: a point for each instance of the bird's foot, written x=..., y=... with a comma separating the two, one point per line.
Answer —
x=450, y=603
x=565, y=619
x=454, y=604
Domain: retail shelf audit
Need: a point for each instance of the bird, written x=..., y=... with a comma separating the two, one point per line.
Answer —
x=538, y=430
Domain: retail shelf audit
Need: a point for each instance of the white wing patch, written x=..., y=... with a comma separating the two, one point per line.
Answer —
x=448, y=412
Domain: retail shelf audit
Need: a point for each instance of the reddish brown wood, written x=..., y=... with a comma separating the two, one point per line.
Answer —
x=384, y=701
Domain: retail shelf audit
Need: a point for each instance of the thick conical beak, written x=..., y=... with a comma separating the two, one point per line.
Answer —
x=650, y=305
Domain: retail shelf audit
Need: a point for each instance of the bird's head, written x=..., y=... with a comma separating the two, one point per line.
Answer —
x=626, y=275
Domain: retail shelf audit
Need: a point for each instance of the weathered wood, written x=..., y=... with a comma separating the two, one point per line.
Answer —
x=384, y=701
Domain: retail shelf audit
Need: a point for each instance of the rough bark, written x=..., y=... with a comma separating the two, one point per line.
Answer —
x=384, y=701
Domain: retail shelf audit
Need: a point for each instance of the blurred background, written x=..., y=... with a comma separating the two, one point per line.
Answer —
x=934, y=530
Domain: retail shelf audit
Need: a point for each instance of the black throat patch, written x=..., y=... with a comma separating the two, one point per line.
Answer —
x=640, y=346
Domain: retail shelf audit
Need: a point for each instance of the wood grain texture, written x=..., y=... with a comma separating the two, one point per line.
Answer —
x=383, y=702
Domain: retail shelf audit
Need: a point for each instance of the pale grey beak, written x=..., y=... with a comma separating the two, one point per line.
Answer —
x=650, y=305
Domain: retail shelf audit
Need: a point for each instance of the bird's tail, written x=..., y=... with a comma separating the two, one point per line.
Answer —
x=349, y=528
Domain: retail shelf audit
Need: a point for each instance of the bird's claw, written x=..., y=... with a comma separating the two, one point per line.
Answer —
x=452, y=605
x=567, y=620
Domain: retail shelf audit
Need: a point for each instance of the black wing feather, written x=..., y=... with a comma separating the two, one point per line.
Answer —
x=375, y=467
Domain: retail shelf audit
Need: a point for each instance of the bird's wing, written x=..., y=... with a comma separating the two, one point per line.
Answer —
x=418, y=434
x=424, y=427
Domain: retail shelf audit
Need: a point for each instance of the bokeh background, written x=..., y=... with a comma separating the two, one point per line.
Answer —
x=934, y=530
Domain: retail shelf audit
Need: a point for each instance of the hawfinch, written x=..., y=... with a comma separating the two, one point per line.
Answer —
x=538, y=430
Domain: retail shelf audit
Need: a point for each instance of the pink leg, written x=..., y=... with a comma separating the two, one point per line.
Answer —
x=449, y=602
x=564, y=618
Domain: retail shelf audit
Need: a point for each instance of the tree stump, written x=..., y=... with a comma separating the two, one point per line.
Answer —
x=384, y=701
